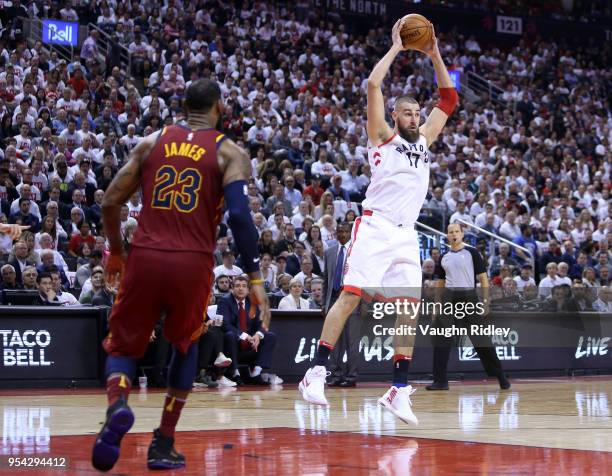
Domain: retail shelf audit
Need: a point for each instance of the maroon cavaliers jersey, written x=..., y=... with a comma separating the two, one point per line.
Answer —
x=182, y=191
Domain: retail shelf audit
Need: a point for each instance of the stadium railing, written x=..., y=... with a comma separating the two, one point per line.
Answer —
x=493, y=237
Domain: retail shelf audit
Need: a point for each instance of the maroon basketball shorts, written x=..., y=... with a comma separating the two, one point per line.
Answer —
x=170, y=284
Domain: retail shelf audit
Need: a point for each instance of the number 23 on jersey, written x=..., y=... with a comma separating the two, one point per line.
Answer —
x=178, y=190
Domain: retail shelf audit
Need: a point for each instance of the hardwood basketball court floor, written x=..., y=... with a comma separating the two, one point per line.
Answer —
x=540, y=426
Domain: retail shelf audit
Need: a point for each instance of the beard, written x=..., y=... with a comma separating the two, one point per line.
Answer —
x=410, y=135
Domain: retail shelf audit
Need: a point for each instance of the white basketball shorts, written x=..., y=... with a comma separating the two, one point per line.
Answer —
x=383, y=261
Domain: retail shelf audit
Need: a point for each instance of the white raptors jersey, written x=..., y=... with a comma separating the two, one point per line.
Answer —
x=400, y=179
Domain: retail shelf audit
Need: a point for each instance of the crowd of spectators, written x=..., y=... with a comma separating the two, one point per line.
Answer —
x=575, y=10
x=532, y=166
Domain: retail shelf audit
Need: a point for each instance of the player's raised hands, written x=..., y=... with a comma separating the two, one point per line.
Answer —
x=431, y=47
x=395, y=34
x=14, y=231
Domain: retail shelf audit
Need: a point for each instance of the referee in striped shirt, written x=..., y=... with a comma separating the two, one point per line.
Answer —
x=460, y=267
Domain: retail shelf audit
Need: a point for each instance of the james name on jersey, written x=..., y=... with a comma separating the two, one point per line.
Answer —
x=192, y=151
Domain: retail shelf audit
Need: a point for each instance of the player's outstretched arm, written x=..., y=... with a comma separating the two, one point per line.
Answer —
x=236, y=168
x=378, y=129
x=123, y=186
x=448, y=95
x=14, y=231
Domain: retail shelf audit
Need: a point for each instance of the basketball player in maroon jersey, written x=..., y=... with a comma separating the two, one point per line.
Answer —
x=185, y=174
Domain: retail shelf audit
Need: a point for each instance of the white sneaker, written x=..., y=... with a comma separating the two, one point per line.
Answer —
x=397, y=400
x=222, y=360
x=312, y=385
x=272, y=379
x=225, y=382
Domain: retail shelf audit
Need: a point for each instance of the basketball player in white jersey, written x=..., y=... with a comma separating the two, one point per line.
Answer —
x=383, y=260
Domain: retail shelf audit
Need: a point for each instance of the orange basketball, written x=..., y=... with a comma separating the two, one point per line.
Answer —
x=416, y=31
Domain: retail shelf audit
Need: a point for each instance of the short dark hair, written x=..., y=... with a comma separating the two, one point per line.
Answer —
x=344, y=224
x=240, y=277
x=21, y=200
x=201, y=95
x=42, y=276
x=406, y=98
x=52, y=268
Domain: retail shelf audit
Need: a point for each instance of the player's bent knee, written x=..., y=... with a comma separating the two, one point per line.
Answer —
x=183, y=368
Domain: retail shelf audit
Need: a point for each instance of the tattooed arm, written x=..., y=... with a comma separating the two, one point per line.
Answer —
x=123, y=186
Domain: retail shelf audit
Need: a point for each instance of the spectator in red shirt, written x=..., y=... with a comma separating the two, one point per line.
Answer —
x=78, y=239
x=314, y=189
x=78, y=82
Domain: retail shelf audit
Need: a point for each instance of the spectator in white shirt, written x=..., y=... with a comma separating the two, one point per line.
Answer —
x=604, y=301
x=306, y=270
x=298, y=218
x=294, y=301
x=227, y=267
x=551, y=280
x=509, y=228
x=524, y=279
x=563, y=273
x=322, y=166
x=461, y=214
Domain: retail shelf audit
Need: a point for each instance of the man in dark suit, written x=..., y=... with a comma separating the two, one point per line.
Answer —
x=294, y=260
x=54, y=199
x=19, y=261
x=343, y=374
x=245, y=340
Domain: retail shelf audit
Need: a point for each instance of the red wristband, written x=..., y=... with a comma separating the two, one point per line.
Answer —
x=448, y=100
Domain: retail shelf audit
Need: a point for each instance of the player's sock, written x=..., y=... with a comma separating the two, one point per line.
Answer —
x=119, y=373
x=401, y=363
x=236, y=373
x=323, y=351
x=255, y=372
x=181, y=372
x=118, y=385
x=173, y=404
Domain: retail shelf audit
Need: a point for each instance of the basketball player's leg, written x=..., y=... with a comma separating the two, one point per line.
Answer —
x=397, y=398
x=403, y=347
x=334, y=324
x=312, y=385
x=362, y=271
x=366, y=258
x=132, y=320
x=403, y=281
x=186, y=301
